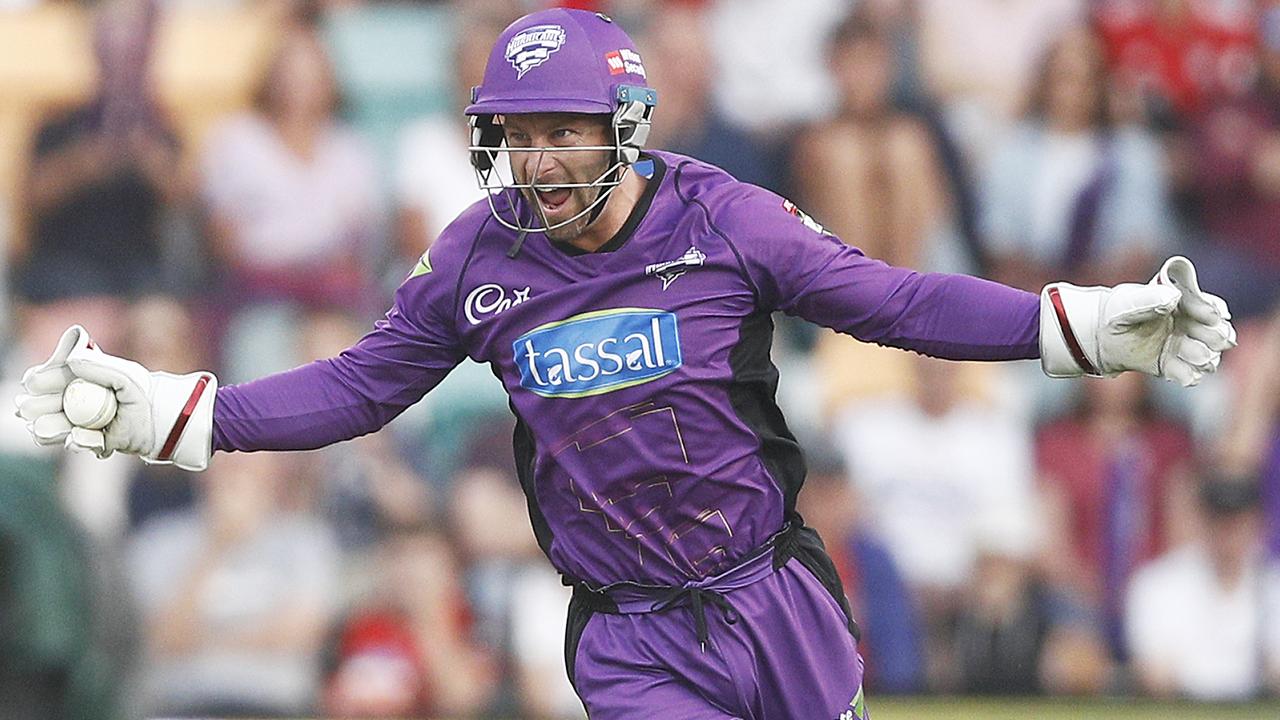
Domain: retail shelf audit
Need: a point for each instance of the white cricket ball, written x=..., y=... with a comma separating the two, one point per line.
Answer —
x=88, y=405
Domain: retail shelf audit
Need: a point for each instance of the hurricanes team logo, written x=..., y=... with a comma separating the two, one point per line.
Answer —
x=672, y=269
x=531, y=47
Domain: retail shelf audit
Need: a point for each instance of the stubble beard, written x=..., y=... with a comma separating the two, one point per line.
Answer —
x=570, y=232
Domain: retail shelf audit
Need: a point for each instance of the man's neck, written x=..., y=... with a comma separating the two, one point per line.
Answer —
x=617, y=208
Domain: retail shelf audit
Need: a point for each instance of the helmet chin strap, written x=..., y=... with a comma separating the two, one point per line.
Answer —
x=615, y=175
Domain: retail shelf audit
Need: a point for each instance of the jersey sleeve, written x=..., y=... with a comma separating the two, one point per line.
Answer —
x=408, y=352
x=798, y=267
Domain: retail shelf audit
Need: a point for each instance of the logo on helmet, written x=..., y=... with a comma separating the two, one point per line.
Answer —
x=531, y=47
x=624, y=60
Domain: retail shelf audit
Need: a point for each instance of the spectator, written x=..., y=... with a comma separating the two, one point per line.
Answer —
x=1113, y=475
x=1250, y=445
x=926, y=507
x=769, y=64
x=1070, y=196
x=770, y=72
x=1200, y=618
x=162, y=331
x=102, y=176
x=892, y=642
x=1003, y=627
x=293, y=202
x=679, y=59
x=407, y=652
x=235, y=597
x=978, y=62
x=51, y=665
x=1178, y=55
x=519, y=602
x=67, y=640
x=1231, y=155
x=434, y=179
x=872, y=152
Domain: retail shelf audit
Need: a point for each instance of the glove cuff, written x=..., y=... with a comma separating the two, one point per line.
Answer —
x=1069, y=321
x=182, y=421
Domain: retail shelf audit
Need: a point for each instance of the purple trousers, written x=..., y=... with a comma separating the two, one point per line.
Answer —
x=774, y=642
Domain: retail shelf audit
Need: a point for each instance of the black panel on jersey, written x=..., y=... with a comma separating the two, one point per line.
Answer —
x=754, y=388
x=522, y=446
x=753, y=396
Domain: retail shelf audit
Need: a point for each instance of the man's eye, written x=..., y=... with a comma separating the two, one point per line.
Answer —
x=564, y=134
x=516, y=138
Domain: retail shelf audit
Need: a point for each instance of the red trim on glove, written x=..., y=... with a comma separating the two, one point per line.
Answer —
x=1077, y=352
x=175, y=434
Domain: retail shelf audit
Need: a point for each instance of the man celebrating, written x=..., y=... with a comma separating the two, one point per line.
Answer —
x=624, y=299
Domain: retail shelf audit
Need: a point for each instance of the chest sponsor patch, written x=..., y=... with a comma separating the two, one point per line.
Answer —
x=598, y=352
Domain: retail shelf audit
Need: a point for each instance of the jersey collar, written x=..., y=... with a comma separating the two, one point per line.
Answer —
x=654, y=172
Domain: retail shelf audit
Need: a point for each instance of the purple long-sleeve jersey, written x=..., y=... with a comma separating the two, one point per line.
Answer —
x=649, y=443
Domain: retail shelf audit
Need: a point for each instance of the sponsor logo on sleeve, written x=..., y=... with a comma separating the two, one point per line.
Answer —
x=531, y=47
x=804, y=217
x=598, y=352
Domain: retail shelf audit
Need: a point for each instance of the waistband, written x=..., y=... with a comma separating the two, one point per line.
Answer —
x=641, y=599
x=629, y=598
x=633, y=598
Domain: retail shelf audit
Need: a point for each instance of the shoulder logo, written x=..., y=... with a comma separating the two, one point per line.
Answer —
x=804, y=217
x=672, y=269
x=531, y=47
x=424, y=265
x=491, y=299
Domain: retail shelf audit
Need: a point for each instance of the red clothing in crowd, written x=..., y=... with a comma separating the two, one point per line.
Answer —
x=1087, y=468
x=1185, y=54
x=1235, y=210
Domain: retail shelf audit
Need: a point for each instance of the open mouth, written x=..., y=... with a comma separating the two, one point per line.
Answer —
x=552, y=200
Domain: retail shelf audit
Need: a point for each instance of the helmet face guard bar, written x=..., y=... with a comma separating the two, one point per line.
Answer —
x=490, y=158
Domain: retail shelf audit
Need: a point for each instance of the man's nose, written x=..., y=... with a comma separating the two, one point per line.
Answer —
x=535, y=163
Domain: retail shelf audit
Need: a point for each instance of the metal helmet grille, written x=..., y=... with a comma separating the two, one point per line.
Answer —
x=491, y=160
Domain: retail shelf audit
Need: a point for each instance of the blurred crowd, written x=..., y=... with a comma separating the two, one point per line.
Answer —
x=238, y=186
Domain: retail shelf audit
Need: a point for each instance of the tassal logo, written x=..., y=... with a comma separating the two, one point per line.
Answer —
x=598, y=352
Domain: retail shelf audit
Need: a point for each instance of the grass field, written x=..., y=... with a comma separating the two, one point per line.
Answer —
x=1019, y=709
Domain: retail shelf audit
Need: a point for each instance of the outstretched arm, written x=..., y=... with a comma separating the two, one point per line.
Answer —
x=797, y=267
x=1168, y=327
x=336, y=399
x=166, y=418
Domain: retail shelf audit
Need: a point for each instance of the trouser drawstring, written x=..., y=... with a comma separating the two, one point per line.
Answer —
x=698, y=599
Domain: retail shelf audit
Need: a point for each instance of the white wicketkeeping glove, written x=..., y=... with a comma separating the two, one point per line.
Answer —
x=40, y=402
x=161, y=417
x=1168, y=328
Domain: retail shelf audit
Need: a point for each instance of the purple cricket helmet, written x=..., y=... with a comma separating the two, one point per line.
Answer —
x=558, y=61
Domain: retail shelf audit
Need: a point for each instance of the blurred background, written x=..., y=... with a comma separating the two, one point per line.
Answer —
x=238, y=186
